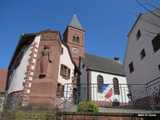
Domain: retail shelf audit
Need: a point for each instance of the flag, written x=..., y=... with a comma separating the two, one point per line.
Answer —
x=107, y=90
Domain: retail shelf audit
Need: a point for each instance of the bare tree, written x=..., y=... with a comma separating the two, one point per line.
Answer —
x=150, y=6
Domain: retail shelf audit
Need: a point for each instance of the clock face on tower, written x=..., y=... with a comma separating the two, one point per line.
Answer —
x=75, y=50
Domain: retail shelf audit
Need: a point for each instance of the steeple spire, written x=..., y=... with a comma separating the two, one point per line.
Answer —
x=75, y=23
x=74, y=38
x=75, y=11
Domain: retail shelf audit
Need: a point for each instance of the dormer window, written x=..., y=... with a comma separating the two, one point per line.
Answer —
x=138, y=35
x=76, y=38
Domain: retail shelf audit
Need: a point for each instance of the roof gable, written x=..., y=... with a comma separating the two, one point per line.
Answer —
x=146, y=17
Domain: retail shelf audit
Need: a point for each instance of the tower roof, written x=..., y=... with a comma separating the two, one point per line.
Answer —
x=75, y=23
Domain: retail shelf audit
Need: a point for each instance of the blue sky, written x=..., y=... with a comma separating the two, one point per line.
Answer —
x=106, y=23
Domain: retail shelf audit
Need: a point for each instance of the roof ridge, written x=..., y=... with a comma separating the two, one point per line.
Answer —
x=99, y=56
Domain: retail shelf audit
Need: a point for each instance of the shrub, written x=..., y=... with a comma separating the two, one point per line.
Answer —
x=87, y=106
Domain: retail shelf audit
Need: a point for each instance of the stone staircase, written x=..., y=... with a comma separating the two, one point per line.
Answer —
x=70, y=107
x=66, y=105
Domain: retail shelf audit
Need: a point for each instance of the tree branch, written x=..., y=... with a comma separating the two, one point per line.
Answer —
x=154, y=6
x=155, y=24
x=147, y=9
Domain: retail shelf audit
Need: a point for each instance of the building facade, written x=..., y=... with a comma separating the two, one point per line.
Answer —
x=38, y=68
x=103, y=81
x=45, y=69
x=3, y=79
x=142, y=66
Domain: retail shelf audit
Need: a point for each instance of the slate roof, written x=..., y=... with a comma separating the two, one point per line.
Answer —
x=102, y=64
x=75, y=23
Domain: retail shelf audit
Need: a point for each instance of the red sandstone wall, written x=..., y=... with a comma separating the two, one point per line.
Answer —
x=70, y=32
x=105, y=117
x=3, y=79
x=43, y=88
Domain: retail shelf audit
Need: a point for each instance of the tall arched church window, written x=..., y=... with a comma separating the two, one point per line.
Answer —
x=76, y=38
x=99, y=83
x=116, y=86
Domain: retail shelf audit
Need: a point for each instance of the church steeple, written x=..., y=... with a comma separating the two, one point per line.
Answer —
x=75, y=23
x=74, y=37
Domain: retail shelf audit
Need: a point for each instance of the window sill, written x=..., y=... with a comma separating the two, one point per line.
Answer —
x=64, y=77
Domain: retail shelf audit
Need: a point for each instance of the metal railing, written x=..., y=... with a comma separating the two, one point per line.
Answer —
x=138, y=97
x=126, y=97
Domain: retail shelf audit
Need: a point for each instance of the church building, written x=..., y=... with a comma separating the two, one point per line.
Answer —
x=43, y=63
x=103, y=81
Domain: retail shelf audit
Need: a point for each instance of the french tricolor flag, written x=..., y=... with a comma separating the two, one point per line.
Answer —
x=107, y=90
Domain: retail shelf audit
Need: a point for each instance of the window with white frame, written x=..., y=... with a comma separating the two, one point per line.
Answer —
x=116, y=86
x=99, y=83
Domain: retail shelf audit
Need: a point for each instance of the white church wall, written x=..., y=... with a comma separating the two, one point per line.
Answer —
x=108, y=79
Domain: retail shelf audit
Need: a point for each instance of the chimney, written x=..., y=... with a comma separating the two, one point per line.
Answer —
x=116, y=58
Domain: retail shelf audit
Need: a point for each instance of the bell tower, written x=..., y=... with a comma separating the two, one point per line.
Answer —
x=74, y=37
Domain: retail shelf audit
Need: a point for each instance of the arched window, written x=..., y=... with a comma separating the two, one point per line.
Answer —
x=99, y=82
x=116, y=86
x=76, y=38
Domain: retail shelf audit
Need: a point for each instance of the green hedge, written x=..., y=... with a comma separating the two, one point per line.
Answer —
x=87, y=106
